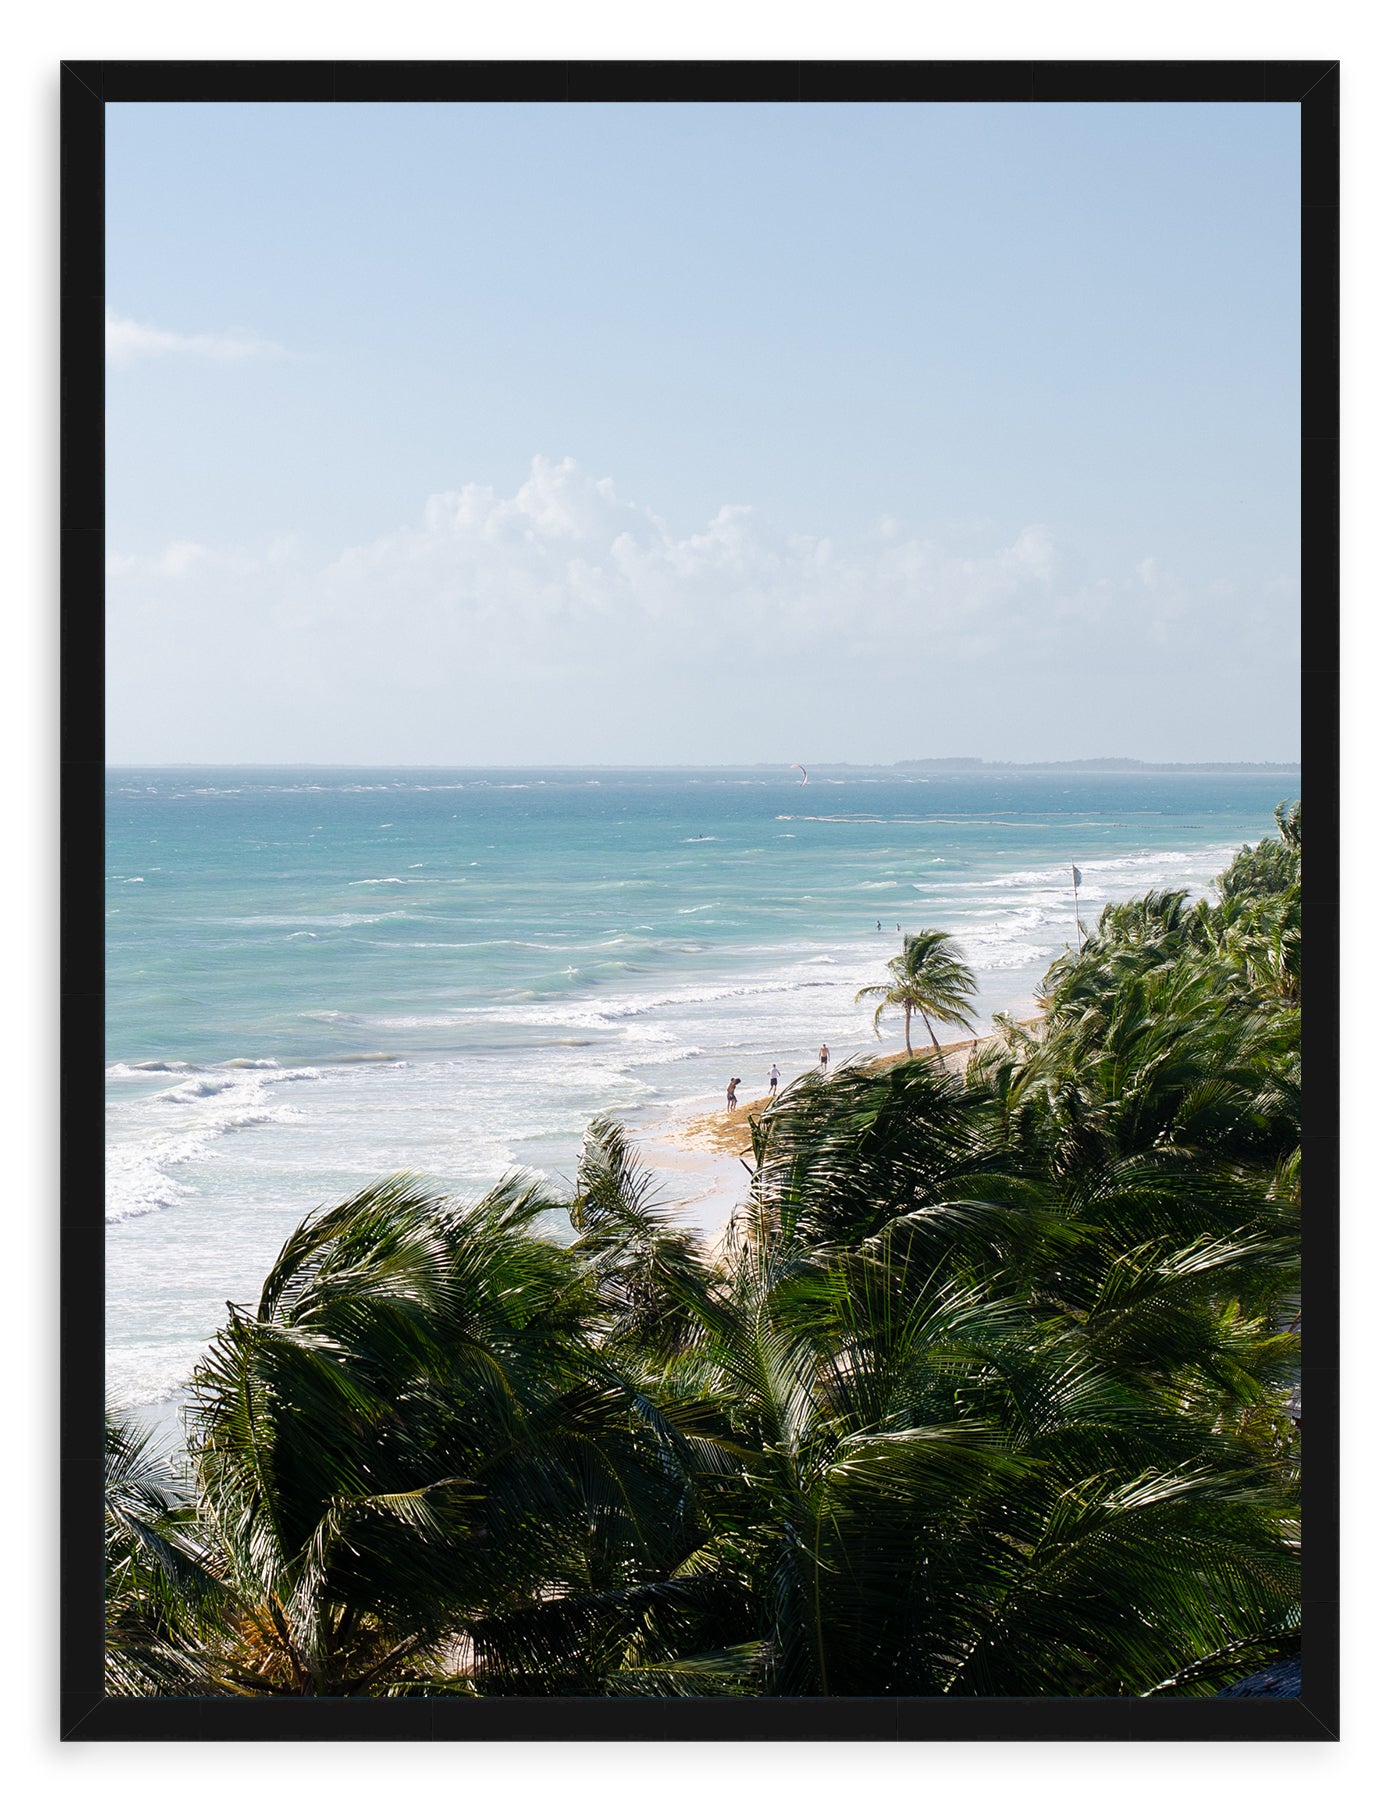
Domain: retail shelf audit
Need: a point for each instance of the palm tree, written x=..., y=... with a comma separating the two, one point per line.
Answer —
x=1271, y=866
x=918, y=1488
x=928, y=978
x=942, y=1425
x=163, y=1606
x=643, y=1263
x=413, y=1430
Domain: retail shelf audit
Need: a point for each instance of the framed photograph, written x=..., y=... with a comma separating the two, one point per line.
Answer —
x=687, y=697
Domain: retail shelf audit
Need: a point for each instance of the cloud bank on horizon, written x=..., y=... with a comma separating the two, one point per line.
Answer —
x=568, y=623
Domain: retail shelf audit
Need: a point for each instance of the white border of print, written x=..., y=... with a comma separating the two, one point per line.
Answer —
x=1366, y=39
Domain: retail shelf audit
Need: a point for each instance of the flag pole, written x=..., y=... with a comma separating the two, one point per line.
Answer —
x=1078, y=929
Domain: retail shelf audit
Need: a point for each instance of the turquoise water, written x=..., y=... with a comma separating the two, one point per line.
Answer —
x=319, y=976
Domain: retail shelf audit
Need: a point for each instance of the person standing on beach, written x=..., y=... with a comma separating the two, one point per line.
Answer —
x=823, y=1057
x=731, y=1099
x=773, y=1080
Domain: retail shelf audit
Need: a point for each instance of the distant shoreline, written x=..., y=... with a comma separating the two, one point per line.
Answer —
x=1095, y=766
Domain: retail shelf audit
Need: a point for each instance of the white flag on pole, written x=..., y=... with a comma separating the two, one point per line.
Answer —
x=1075, y=874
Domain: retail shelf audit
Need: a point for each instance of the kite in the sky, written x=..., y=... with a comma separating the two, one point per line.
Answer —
x=803, y=768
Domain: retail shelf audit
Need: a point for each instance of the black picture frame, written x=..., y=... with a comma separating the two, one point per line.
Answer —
x=87, y=88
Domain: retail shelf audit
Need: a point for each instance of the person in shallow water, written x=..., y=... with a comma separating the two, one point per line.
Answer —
x=773, y=1080
x=823, y=1057
x=730, y=1098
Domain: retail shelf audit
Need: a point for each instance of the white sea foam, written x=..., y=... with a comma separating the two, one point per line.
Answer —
x=418, y=1022
x=1139, y=864
x=146, y=1376
x=1028, y=936
x=198, y=1088
x=308, y=920
x=673, y=1054
x=153, y=1136
x=151, y=1067
x=137, y=1184
x=1145, y=860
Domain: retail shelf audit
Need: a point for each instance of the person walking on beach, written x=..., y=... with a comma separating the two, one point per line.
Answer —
x=730, y=1098
x=823, y=1057
x=773, y=1080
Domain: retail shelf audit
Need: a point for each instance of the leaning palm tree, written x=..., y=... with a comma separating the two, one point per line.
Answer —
x=164, y=1607
x=643, y=1263
x=917, y=1488
x=928, y=978
x=410, y=1431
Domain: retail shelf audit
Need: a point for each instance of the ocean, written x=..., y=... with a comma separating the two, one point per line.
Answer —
x=317, y=977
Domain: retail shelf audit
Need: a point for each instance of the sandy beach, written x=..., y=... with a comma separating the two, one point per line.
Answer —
x=712, y=1149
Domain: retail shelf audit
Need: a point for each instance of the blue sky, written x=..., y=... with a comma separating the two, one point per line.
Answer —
x=702, y=434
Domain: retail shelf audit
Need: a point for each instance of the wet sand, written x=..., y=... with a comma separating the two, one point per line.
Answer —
x=727, y=1132
x=711, y=1153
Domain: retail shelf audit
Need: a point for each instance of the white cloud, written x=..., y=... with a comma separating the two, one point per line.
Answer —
x=182, y=556
x=565, y=558
x=130, y=342
x=178, y=559
x=566, y=622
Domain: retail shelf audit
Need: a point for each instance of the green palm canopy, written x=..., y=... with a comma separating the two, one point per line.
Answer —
x=929, y=978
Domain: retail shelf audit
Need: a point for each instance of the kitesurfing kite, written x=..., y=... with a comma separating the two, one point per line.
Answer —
x=803, y=768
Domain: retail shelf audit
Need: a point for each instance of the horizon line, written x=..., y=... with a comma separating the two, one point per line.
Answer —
x=953, y=765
